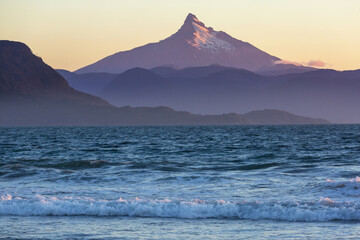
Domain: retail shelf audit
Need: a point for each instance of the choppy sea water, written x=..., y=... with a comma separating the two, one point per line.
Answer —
x=213, y=182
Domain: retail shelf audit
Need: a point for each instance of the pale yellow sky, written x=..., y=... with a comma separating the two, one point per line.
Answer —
x=70, y=34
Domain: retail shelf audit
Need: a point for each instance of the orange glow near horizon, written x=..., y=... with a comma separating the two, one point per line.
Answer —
x=72, y=34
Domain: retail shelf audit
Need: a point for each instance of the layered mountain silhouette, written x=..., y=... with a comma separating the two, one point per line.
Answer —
x=33, y=94
x=216, y=89
x=193, y=44
x=91, y=83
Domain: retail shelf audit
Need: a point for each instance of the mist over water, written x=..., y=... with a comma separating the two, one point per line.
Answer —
x=229, y=182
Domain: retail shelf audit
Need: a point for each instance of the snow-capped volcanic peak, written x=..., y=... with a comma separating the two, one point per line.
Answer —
x=205, y=38
x=193, y=44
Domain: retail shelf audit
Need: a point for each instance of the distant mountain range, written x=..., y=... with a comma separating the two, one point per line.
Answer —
x=216, y=89
x=33, y=94
x=193, y=45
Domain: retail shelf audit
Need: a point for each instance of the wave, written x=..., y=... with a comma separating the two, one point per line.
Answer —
x=77, y=165
x=324, y=209
x=350, y=188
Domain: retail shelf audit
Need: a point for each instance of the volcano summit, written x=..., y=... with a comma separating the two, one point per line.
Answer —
x=193, y=44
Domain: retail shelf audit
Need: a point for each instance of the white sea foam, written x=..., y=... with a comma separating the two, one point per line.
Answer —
x=324, y=209
x=343, y=188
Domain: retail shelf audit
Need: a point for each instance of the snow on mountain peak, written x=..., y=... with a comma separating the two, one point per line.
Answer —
x=195, y=19
x=206, y=39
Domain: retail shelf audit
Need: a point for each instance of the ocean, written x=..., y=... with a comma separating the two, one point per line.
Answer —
x=180, y=182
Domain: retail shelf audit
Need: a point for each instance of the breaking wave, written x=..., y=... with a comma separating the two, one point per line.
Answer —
x=324, y=209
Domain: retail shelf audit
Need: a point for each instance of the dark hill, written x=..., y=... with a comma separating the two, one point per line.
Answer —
x=24, y=76
x=22, y=72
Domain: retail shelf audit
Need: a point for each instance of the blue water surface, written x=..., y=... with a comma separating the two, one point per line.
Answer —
x=175, y=182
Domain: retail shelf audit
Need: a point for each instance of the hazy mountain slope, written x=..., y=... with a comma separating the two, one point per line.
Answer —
x=214, y=90
x=87, y=82
x=192, y=45
x=137, y=86
x=272, y=116
x=281, y=69
x=190, y=72
x=330, y=94
x=141, y=87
